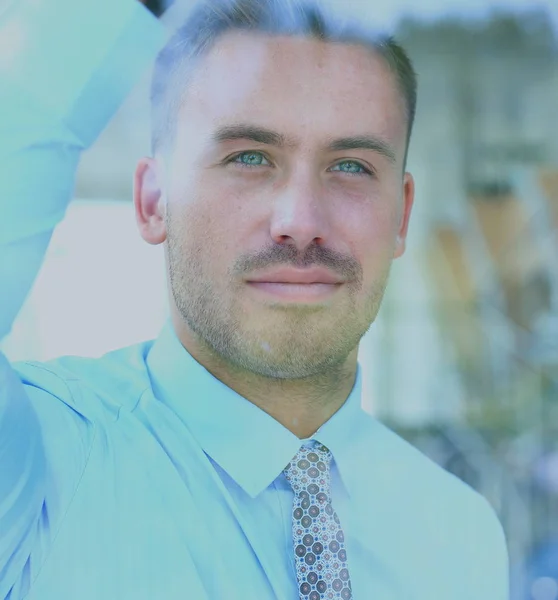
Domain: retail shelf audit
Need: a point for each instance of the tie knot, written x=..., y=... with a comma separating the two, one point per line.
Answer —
x=308, y=470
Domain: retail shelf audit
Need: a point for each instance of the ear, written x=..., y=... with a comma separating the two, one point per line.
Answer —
x=408, y=200
x=149, y=201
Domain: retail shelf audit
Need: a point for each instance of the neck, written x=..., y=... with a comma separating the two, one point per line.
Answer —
x=300, y=405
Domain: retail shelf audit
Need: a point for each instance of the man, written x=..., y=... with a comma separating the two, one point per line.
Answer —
x=230, y=458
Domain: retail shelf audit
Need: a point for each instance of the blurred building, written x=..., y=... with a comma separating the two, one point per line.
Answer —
x=486, y=143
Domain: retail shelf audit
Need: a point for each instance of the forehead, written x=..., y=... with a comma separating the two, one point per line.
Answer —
x=295, y=85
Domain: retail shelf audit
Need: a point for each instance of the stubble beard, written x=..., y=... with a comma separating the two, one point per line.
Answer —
x=291, y=344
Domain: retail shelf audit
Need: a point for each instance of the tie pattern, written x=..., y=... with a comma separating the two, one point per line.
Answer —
x=319, y=542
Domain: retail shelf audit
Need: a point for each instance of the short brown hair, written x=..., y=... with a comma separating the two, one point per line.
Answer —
x=210, y=19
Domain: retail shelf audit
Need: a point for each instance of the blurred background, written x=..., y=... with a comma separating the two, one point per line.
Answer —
x=463, y=359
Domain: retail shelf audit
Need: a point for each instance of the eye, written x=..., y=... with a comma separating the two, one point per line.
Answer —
x=351, y=167
x=250, y=159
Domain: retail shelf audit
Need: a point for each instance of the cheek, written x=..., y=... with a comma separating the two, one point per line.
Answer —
x=372, y=236
x=194, y=205
x=208, y=237
x=371, y=225
x=208, y=205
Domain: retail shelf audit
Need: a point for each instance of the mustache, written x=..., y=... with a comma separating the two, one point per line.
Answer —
x=313, y=256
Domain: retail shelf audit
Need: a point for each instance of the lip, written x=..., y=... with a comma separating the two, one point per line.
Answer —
x=288, y=275
x=298, y=293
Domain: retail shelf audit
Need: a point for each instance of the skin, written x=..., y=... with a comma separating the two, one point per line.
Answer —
x=223, y=216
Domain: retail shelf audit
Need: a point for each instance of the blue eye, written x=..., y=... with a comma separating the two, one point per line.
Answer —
x=351, y=167
x=251, y=159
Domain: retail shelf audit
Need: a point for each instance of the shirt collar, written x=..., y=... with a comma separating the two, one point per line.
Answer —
x=250, y=445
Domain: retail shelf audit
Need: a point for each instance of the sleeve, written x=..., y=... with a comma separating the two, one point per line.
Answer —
x=65, y=68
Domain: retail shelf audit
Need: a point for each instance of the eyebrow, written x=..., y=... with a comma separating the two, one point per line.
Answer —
x=364, y=142
x=268, y=137
x=249, y=132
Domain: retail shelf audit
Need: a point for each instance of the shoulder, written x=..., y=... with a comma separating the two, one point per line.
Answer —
x=430, y=487
x=441, y=519
x=89, y=386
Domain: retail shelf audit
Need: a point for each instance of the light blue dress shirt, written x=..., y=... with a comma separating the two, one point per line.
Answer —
x=140, y=476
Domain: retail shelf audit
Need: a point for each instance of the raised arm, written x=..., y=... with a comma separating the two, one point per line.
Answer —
x=65, y=67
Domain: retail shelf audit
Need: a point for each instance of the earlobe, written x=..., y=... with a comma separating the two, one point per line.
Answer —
x=149, y=202
x=399, y=247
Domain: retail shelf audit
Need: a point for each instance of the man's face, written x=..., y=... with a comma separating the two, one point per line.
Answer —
x=316, y=191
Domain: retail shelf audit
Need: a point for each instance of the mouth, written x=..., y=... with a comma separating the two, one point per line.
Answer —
x=296, y=292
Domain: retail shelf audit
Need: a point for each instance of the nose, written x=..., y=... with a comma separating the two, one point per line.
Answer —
x=300, y=213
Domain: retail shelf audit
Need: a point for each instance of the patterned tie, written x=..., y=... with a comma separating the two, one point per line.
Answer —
x=321, y=558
